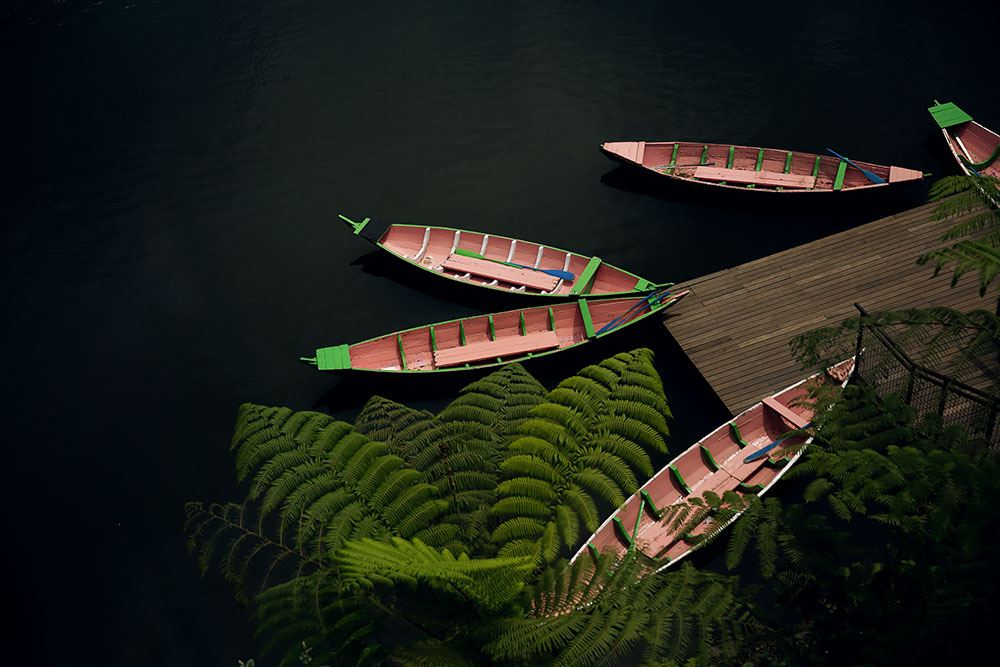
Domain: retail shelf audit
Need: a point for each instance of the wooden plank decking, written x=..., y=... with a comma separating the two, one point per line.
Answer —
x=736, y=323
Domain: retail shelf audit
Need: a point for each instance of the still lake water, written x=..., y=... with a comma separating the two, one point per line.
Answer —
x=171, y=177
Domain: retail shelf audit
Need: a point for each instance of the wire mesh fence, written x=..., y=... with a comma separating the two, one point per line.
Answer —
x=889, y=370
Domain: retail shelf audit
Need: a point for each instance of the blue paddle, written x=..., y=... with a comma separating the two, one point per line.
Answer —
x=870, y=175
x=763, y=451
x=558, y=273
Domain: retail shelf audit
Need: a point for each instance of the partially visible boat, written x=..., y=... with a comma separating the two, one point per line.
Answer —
x=751, y=168
x=974, y=147
x=485, y=260
x=746, y=455
x=482, y=341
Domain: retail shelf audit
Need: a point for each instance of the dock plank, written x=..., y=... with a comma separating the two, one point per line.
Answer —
x=736, y=323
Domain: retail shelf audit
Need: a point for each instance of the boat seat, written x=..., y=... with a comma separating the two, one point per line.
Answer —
x=754, y=177
x=508, y=274
x=795, y=420
x=492, y=349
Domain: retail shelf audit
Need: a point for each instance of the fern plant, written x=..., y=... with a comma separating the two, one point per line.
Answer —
x=587, y=616
x=313, y=483
x=359, y=550
x=977, y=199
x=586, y=443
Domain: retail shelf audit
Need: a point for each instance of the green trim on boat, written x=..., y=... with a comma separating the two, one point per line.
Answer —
x=978, y=166
x=358, y=226
x=679, y=478
x=838, y=182
x=735, y=430
x=704, y=155
x=760, y=159
x=582, y=280
x=588, y=323
x=948, y=114
x=638, y=518
x=335, y=358
x=657, y=513
x=777, y=463
x=552, y=320
x=673, y=157
x=594, y=553
x=493, y=329
x=750, y=488
x=709, y=459
x=691, y=538
x=622, y=532
x=815, y=171
x=402, y=353
x=524, y=328
x=434, y=343
x=788, y=162
x=642, y=285
x=461, y=333
x=732, y=154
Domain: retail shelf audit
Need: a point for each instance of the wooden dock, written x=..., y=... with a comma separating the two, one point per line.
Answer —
x=736, y=323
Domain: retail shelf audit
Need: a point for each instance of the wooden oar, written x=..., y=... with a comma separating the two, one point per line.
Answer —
x=870, y=175
x=558, y=273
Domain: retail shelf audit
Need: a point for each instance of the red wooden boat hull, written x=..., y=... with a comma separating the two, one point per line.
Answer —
x=483, y=341
x=750, y=168
x=714, y=463
x=434, y=250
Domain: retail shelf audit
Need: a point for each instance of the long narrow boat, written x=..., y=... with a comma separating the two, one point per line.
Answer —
x=439, y=250
x=975, y=148
x=756, y=169
x=482, y=341
x=733, y=457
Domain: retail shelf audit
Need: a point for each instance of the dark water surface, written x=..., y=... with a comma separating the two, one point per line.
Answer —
x=171, y=177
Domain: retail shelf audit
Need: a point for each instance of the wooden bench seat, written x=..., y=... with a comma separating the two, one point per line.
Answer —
x=508, y=274
x=795, y=420
x=743, y=176
x=491, y=349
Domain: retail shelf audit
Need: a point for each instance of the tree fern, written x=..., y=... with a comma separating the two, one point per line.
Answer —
x=488, y=583
x=977, y=198
x=586, y=616
x=390, y=422
x=589, y=440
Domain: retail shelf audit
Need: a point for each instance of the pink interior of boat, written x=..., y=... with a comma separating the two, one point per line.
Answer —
x=715, y=463
x=742, y=170
x=434, y=248
x=419, y=350
x=979, y=144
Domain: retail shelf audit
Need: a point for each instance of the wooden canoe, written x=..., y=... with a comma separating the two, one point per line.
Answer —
x=974, y=147
x=483, y=341
x=716, y=463
x=752, y=168
x=433, y=249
